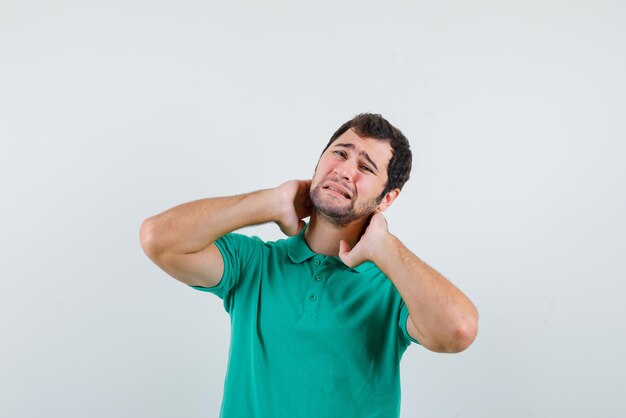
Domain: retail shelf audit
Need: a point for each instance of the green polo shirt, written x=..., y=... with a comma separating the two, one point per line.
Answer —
x=310, y=337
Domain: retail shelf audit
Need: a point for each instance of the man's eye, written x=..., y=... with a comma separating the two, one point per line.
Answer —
x=366, y=168
x=340, y=154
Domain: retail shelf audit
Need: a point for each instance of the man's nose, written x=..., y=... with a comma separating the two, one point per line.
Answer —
x=345, y=170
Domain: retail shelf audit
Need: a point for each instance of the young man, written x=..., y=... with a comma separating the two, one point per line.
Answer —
x=319, y=321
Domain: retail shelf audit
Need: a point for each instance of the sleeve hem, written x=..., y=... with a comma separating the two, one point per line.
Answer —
x=404, y=315
x=225, y=273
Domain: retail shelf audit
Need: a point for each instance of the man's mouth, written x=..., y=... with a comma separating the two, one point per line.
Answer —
x=339, y=190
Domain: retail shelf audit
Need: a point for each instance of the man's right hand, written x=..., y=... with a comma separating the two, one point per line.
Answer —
x=294, y=204
x=181, y=239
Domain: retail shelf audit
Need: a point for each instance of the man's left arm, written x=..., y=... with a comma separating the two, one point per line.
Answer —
x=441, y=317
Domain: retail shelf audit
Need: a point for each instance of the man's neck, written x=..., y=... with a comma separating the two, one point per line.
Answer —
x=323, y=237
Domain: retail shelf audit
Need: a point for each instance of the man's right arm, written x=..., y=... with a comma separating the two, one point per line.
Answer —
x=181, y=240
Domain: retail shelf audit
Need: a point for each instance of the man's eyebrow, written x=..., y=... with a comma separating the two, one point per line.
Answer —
x=361, y=153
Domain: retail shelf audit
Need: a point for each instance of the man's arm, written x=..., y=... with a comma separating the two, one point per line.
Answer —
x=181, y=240
x=443, y=318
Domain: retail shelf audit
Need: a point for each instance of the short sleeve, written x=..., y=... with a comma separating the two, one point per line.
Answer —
x=404, y=315
x=237, y=252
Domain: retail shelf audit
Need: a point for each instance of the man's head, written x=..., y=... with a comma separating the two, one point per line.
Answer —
x=363, y=168
x=369, y=125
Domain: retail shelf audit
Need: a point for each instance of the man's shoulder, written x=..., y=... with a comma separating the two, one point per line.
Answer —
x=253, y=251
x=238, y=240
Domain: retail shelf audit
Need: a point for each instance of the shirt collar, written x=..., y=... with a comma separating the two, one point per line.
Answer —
x=299, y=251
x=297, y=247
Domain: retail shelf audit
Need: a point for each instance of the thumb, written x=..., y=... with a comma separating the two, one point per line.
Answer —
x=301, y=224
x=344, y=252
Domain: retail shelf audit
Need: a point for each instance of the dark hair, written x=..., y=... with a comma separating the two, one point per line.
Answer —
x=370, y=125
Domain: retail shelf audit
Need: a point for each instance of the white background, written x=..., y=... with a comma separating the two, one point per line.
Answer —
x=114, y=111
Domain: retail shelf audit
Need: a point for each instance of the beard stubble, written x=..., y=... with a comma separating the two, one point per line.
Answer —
x=341, y=215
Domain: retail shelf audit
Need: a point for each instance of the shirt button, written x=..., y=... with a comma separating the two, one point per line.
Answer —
x=313, y=297
x=318, y=278
x=317, y=262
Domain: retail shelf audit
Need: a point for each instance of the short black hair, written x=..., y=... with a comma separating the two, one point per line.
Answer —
x=373, y=125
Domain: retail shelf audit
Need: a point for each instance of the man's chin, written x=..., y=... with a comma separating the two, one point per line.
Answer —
x=338, y=217
x=338, y=211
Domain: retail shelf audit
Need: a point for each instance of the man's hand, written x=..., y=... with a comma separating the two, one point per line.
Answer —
x=366, y=248
x=294, y=204
x=441, y=317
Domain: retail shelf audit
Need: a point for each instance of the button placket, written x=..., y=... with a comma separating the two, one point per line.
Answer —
x=316, y=288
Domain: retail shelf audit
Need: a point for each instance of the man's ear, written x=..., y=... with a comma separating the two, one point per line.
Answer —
x=388, y=199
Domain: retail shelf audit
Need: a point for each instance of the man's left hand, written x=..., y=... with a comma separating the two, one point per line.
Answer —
x=365, y=249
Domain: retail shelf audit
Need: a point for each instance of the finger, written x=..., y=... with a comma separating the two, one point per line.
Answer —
x=305, y=185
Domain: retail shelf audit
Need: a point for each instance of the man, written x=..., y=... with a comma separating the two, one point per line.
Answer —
x=319, y=321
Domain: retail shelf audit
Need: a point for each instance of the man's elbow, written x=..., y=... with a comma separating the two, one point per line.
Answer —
x=147, y=237
x=462, y=336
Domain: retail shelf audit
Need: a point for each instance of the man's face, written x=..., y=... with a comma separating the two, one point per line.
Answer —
x=350, y=176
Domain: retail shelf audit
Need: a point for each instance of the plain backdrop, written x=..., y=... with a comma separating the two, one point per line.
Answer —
x=113, y=111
